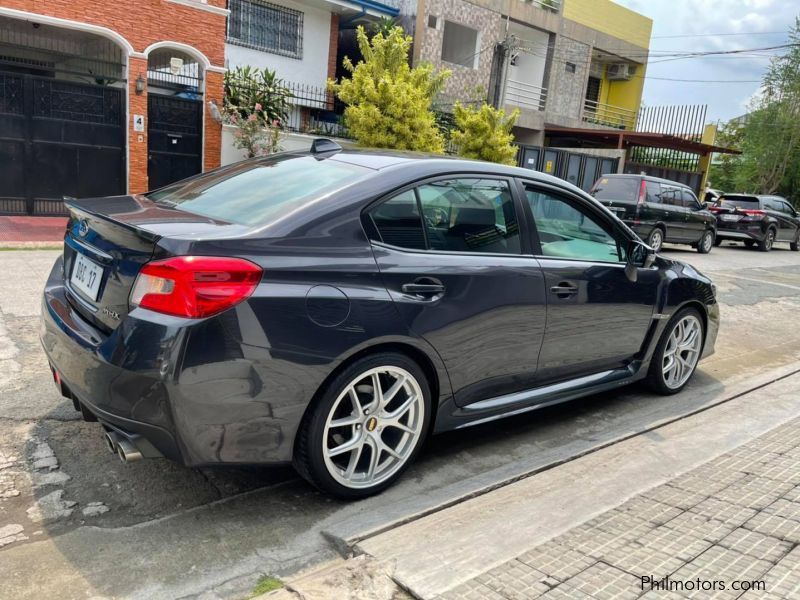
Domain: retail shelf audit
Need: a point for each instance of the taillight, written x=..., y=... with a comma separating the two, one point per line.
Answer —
x=753, y=212
x=642, y=192
x=194, y=286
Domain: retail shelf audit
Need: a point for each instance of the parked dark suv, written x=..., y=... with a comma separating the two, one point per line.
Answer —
x=757, y=221
x=658, y=210
x=333, y=308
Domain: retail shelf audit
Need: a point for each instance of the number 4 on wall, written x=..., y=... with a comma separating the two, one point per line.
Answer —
x=138, y=122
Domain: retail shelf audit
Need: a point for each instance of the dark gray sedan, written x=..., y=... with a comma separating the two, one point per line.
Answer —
x=333, y=308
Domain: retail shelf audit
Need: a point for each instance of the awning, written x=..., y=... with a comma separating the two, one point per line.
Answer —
x=616, y=138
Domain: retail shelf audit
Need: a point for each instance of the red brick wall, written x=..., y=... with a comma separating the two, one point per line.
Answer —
x=333, y=46
x=142, y=23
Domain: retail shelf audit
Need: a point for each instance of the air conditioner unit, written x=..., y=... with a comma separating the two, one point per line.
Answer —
x=620, y=72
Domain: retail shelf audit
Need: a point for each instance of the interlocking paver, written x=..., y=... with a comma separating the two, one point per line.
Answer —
x=783, y=579
x=706, y=480
x=753, y=492
x=720, y=564
x=707, y=528
x=756, y=544
x=640, y=561
x=785, y=469
x=683, y=544
x=784, y=508
x=515, y=580
x=721, y=510
x=653, y=511
x=602, y=581
x=556, y=560
x=675, y=496
x=775, y=526
x=793, y=495
x=471, y=590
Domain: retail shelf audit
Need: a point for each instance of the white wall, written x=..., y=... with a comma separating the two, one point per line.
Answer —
x=289, y=141
x=532, y=58
x=312, y=68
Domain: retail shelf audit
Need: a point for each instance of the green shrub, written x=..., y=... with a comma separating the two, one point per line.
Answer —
x=484, y=133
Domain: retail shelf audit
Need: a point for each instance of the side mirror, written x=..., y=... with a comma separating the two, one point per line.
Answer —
x=640, y=256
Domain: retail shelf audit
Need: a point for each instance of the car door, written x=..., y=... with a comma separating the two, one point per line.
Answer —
x=672, y=213
x=597, y=319
x=786, y=228
x=694, y=217
x=792, y=221
x=450, y=254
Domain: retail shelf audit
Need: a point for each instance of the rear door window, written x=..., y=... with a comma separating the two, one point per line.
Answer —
x=689, y=199
x=398, y=222
x=621, y=189
x=671, y=195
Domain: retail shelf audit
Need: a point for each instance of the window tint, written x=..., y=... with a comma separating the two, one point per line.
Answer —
x=566, y=231
x=254, y=191
x=740, y=201
x=653, y=192
x=398, y=223
x=671, y=195
x=470, y=215
x=786, y=208
x=689, y=199
x=622, y=189
x=770, y=204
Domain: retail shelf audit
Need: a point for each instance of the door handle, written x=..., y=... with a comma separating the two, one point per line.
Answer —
x=423, y=287
x=564, y=290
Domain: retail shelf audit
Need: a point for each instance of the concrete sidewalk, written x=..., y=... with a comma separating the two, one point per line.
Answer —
x=21, y=231
x=692, y=509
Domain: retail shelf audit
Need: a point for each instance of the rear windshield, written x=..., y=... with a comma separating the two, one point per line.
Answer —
x=625, y=189
x=739, y=201
x=255, y=191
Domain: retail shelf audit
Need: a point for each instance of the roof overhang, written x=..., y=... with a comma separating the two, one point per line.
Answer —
x=617, y=138
x=359, y=10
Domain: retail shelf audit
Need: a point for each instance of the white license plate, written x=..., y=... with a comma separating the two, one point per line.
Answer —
x=730, y=217
x=86, y=276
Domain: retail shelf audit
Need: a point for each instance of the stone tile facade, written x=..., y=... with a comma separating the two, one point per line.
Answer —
x=567, y=89
x=488, y=23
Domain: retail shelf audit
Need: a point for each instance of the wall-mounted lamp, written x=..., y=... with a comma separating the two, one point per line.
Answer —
x=140, y=84
x=214, y=109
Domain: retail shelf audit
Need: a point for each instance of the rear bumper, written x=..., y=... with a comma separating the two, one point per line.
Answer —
x=712, y=329
x=744, y=231
x=191, y=389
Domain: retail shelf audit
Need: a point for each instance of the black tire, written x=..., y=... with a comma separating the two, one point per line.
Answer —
x=717, y=241
x=795, y=245
x=656, y=239
x=749, y=243
x=655, y=375
x=308, y=457
x=765, y=245
x=706, y=242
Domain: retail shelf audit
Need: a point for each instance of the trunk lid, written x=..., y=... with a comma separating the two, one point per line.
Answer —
x=107, y=242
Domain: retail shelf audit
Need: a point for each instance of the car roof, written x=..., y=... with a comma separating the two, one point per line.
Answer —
x=759, y=196
x=648, y=178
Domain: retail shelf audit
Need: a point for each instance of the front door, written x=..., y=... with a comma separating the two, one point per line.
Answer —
x=597, y=318
x=175, y=138
x=450, y=255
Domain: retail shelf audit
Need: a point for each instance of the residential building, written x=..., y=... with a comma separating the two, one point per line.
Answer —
x=101, y=98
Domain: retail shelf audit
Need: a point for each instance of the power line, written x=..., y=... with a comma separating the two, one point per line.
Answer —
x=688, y=35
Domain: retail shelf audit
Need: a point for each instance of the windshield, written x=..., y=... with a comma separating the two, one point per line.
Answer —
x=253, y=192
x=617, y=188
x=739, y=201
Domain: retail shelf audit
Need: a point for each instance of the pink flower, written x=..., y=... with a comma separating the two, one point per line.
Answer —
x=258, y=107
x=275, y=123
x=252, y=118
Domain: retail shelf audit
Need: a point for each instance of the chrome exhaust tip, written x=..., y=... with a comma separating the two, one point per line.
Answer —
x=112, y=439
x=127, y=452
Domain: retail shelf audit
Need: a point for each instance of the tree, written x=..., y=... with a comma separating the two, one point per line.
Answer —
x=485, y=133
x=246, y=86
x=770, y=134
x=388, y=103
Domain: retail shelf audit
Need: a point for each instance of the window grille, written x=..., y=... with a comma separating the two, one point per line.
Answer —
x=265, y=26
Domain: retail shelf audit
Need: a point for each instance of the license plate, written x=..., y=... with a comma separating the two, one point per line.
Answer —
x=730, y=217
x=86, y=276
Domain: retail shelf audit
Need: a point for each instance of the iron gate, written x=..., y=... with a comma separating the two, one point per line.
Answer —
x=579, y=169
x=58, y=138
x=175, y=136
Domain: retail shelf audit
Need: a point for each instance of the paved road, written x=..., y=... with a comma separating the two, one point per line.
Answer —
x=153, y=529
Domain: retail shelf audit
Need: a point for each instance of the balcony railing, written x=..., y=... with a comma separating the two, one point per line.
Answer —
x=554, y=5
x=608, y=115
x=525, y=95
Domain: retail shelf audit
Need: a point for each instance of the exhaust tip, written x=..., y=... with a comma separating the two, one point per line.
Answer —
x=128, y=452
x=111, y=439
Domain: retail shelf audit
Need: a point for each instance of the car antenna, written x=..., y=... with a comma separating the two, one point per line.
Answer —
x=324, y=146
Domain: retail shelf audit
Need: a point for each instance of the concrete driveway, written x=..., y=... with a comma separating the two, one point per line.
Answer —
x=76, y=522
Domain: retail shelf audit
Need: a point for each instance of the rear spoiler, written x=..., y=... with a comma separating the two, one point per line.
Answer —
x=79, y=207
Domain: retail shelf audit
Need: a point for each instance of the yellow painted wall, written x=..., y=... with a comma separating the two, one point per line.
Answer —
x=626, y=94
x=612, y=19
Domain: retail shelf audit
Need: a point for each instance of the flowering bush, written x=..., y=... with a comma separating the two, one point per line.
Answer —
x=255, y=133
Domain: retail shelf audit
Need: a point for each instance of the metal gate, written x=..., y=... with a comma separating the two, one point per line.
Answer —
x=175, y=135
x=58, y=138
x=579, y=169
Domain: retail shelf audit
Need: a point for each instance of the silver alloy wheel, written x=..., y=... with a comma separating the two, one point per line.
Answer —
x=373, y=427
x=770, y=239
x=656, y=240
x=682, y=351
x=707, y=241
